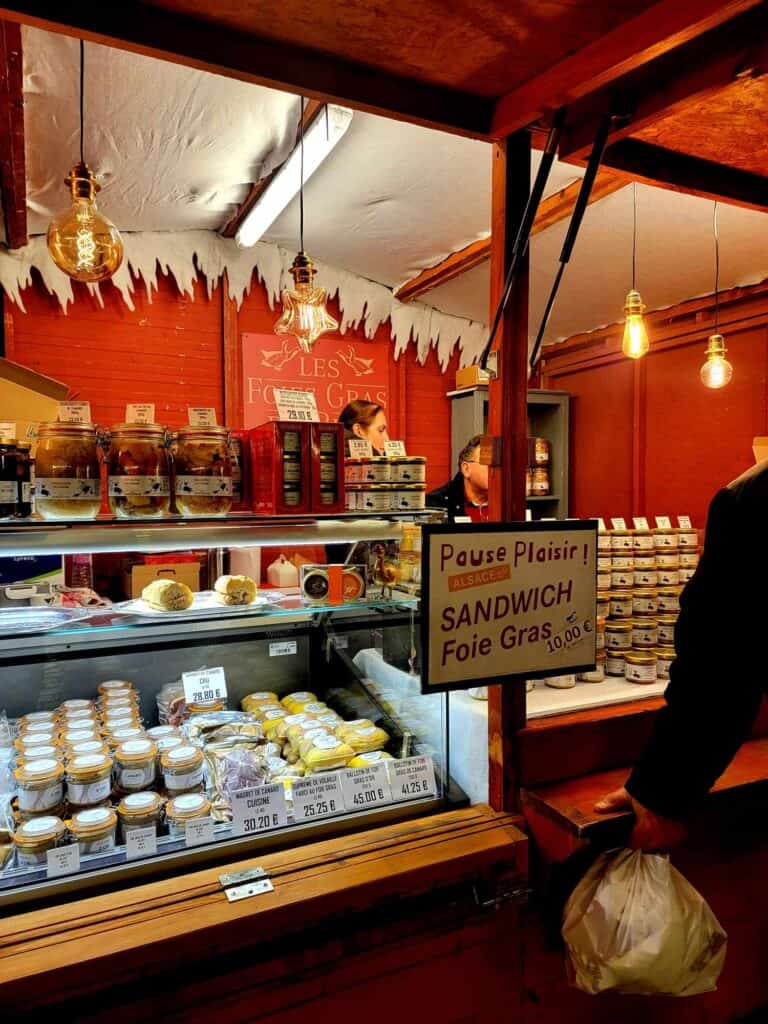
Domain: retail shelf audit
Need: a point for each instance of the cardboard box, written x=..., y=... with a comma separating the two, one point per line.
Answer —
x=470, y=377
x=28, y=398
x=179, y=572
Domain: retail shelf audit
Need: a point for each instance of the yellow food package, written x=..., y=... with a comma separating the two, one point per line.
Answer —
x=270, y=720
x=330, y=719
x=372, y=757
x=298, y=730
x=254, y=700
x=325, y=752
x=346, y=727
x=259, y=712
x=316, y=707
x=283, y=727
x=366, y=738
x=295, y=702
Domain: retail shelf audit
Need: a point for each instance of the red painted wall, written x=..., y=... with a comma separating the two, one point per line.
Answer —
x=648, y=438
x=171, y=352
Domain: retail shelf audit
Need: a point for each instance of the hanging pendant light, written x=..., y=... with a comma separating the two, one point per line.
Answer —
x=635, y=343
x=716, y=371
x=81, y=240
x=304, y=312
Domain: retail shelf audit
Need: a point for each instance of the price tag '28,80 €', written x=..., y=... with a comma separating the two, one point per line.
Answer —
x=204, y=685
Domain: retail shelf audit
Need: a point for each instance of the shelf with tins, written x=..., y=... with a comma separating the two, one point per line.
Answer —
x=391, y=765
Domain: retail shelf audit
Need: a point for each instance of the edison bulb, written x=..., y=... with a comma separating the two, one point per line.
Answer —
x=716, y=371
x=82, y=242
x=304, y=313
x=635, y=342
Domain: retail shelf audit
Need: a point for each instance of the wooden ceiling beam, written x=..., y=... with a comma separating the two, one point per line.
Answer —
x=221, y=50
x=551, y=210
x=702, y=67
x=13, y=178
x=681, y=172
x=258, y=188
x=661, y=28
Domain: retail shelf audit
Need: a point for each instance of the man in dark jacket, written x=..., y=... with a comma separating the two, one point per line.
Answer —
x=716, y=681
x=467, y=494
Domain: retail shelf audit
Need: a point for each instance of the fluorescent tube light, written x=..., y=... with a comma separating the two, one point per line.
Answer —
x=323, y=134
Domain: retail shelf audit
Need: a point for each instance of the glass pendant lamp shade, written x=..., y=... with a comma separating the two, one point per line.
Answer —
x=635, y=343
x=716, y=371
x=304, y=313
x=81, y=240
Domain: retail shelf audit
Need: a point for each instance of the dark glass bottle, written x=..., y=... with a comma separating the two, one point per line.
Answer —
x=8, y=480
x=24, y=479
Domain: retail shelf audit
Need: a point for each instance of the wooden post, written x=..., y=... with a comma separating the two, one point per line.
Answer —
x=508, y=419
x=233, y=360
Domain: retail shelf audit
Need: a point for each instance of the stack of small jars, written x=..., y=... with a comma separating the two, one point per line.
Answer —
x=641, y=574
x=90, y=765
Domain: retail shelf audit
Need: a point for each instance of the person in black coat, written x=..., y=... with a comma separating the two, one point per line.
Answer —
x=716, y=680
x=467, y=493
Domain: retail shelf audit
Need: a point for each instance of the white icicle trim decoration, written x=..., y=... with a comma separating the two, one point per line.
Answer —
x=181, y=254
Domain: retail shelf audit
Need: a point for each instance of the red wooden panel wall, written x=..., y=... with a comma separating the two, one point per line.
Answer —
x=648, y=438
x=171, y=352
x=168, y=351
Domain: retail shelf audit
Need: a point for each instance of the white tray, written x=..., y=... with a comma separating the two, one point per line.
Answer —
x=40, y=618
x=203, y=605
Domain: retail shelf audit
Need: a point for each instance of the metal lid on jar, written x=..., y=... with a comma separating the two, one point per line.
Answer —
x=188, y=805
x=46, y=753
x=136, y=750
x=643, y=623
x=664, y=651
x=640, y=657
x=110, y=685
x=185, y=756
x=75, y=704
x=666, y=620
x=202, y=433
x=139, y=429
x=66, y=429
x=647, y=592
x=669, y=591
x=93, y=821
x=85, y=765
x=38, y=831
x=623, y=626
x=139, y=805
x=41, y=770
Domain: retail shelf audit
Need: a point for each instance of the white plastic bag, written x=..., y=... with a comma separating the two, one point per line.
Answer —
x=633, y=924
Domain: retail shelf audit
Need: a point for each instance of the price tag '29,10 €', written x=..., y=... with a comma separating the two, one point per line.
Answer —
x=205, y=685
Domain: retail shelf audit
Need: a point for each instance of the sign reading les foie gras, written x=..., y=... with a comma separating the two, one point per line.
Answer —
x=507, y=601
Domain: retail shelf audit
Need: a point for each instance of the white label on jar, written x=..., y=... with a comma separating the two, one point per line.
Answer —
x=89, y=792
x=410, y=472
x=140, y=841
x=646, y=578
x=31, y=859
x=621, y=543
x=603, y=581
x=622, y=561
x=614, y=666
x=201, y=416
x=644, y=606
x=618, y=641
x=67, y=488
x=63, y=860
x=209, y=486
x=187, y=781
x=376, y=473
x=622, y=578
x=645, y=636
x=328, y=472
x=98, y=845
x=666, y=634
x=8, y=491
x=684, y=575
x=641, y=673
x=145, y=486
x=643, y=542
x=374, y=501
x=665, y=540
x=668, y=561
x=669, y=604
x=669, y=577
x=26, y=492
x=407, y=500
x=604, y=563
x=663, y=665
x=136, y=777
x=689, y=559
x=74, y=412
x=140, y=412
x=621, y=607
x=688, y=540
x=41, y=799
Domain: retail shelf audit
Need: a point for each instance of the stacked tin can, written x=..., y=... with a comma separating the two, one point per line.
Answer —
x=382, y=483
x=641, y=574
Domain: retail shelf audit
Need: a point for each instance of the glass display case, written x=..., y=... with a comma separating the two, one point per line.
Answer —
x=136, y=741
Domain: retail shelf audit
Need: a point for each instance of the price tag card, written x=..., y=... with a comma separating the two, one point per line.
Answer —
x=394, y=448
x=359, y=448
x=75, y=412
x=32, y=432
x=259, y=810
x=663, y=522
x=64, y=860
x=317, y=797
x=296, y=406
x=412, y=778
x=684, y=522
x=7, y=429
x=204, y=685
x=641, y=523
x=201, y=416
x=618, y=524
x=141, y=842
x=199, y=831
x=601, y=526
x=283, y=647
x=366, y=787
x=140, y=412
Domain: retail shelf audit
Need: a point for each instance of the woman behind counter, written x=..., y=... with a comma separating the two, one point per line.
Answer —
x=366, y=421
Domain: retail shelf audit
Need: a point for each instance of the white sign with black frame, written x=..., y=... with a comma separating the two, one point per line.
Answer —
x=505, y=603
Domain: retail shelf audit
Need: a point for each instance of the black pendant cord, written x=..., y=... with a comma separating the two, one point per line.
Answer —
x=301, y=180
x=82, y=100
x=634, y=232
x=717, y=269
x=523, y=237
x=577, y=216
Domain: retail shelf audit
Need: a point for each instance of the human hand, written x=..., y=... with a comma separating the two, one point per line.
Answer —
x=651, y=832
